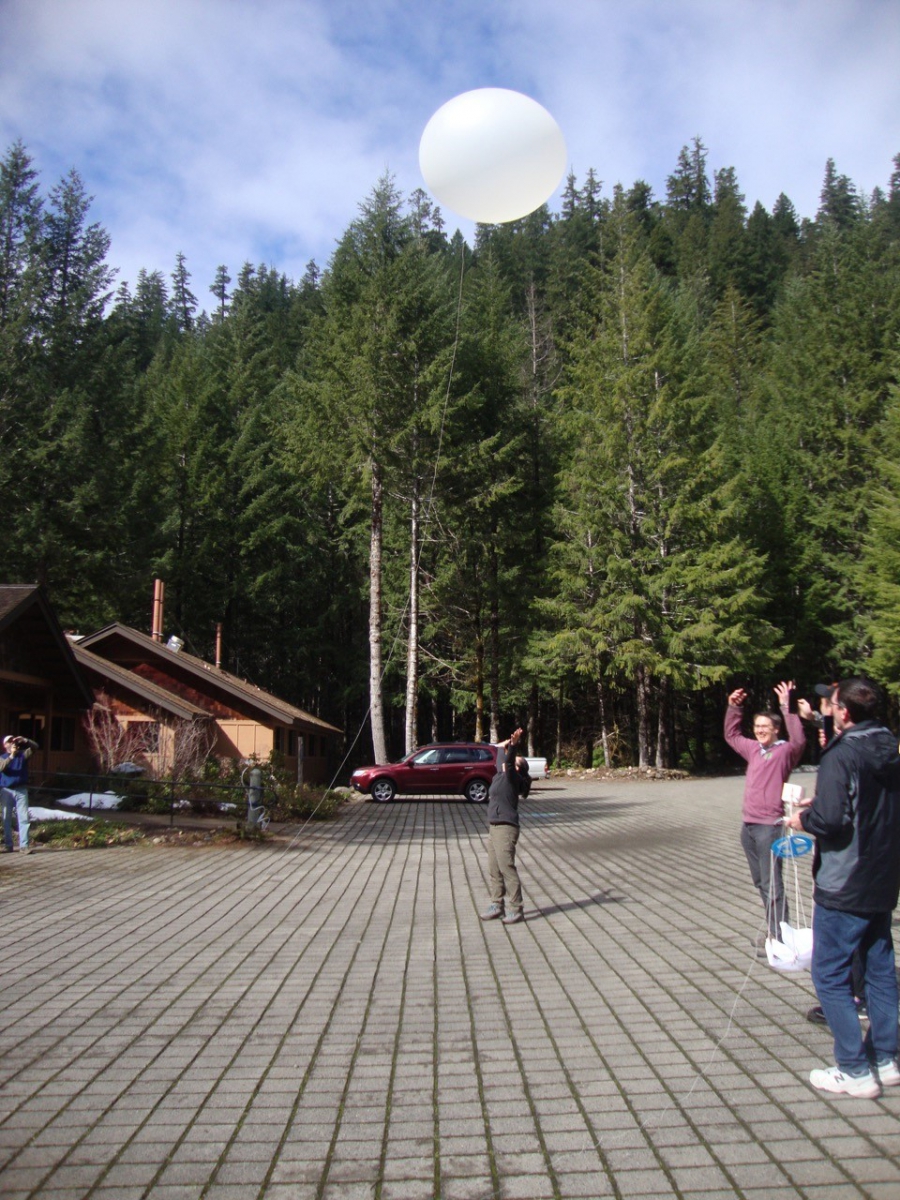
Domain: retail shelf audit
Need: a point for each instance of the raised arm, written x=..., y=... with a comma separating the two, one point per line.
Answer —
x=792, y=722
x=743, y=746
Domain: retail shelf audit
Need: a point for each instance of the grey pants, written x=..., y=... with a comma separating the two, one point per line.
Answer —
x=757, y=842
x=502, y=841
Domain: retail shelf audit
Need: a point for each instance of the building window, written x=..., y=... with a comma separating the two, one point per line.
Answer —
x=286, y=742
x=62, y=734
x=31, y=725
x=149, y=735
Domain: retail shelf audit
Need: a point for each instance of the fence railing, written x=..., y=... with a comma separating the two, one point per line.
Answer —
x=159, y=795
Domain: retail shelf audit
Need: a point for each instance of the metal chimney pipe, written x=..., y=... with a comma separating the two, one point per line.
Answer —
x=159, y=595
x=219, y=644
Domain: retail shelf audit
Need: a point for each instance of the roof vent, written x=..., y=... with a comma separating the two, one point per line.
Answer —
x=174, y=643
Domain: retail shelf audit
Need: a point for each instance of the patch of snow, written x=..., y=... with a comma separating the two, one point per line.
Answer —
x=92, y=800
x=53, y=814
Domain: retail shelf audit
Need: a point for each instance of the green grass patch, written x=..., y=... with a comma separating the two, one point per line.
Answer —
x=84, y=835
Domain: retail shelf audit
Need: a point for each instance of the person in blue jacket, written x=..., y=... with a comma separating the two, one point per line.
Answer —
x=14, y=788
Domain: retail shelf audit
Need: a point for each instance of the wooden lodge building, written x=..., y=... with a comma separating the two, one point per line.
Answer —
x=44, y=694
x=48, y=682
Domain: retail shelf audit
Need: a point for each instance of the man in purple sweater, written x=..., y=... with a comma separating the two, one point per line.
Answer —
x=770, y=761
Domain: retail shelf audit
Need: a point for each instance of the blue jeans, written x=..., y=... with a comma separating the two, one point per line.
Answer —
x=836, y=935
x=19, y=798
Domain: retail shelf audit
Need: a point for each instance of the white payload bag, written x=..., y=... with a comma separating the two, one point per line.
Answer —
x=793, y=952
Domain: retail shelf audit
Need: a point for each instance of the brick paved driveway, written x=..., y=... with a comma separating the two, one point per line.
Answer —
x=333, y=1022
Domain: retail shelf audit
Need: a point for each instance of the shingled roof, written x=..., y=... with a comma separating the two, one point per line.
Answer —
x=102, y=670
x=128, y=649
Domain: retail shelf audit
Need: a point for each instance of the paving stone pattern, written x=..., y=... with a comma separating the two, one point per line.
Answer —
x=332, y=1021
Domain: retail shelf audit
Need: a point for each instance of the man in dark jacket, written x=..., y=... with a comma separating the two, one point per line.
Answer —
x=503, y=834
x=855, y=818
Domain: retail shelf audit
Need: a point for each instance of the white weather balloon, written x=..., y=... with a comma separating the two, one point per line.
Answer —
x=492, y=155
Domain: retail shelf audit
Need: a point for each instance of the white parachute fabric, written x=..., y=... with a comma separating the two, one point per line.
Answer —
x=793, y=952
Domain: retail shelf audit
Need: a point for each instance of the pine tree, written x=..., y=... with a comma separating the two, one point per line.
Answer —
x=727, y=235
x=183, y=303
x=839, y=202
x=78, y=276
x=688, y=187
x=21, y=390
x=20, y=229
x=820, y=404
x=477, y=582
x=378, y=356
x=655, y=583
x=879, y=567
x=219, y=288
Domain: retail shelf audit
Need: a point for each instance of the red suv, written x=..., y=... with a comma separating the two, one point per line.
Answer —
x=454, y=768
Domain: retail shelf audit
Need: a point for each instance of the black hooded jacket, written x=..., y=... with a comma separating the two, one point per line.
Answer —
x=855, y=818
x=503, y=798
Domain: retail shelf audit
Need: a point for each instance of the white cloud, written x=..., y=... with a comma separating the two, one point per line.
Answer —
x=774, y=88
x=236, y=130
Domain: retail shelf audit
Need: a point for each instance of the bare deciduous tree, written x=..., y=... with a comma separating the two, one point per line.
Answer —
x=185, y=750
x=113, y=741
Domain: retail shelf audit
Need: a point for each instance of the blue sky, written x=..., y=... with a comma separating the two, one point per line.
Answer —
x=250, y=130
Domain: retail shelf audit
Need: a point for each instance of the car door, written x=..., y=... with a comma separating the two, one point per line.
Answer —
x=456, y=762
x=420, y=772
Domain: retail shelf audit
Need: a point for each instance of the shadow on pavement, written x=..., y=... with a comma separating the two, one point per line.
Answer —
x=571, y=905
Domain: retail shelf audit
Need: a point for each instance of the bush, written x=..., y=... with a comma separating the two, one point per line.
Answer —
x=300, y=801
x=217, y=782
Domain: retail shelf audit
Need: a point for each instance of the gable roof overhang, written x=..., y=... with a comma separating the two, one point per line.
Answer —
x=131, y=649
x=141, y=693
x=34, y=651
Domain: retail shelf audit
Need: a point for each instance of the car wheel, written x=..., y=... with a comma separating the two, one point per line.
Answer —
x=383, y=791
x=476, y=791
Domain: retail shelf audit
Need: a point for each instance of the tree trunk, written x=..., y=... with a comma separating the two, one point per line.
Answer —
x=699, y=755
x=642, y=695
x=559, y=724
x=663, y=743
x=479, y=691
x=532, y=719
x=412, y=646
x=604, y=731
x=376, y=709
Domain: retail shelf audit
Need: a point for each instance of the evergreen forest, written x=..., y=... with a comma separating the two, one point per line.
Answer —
x=586, y=475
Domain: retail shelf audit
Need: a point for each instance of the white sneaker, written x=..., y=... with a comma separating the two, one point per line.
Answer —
x=833, y=1079
x=889, y=1074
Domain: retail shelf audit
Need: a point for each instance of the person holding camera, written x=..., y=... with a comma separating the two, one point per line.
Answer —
x=14, y=788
